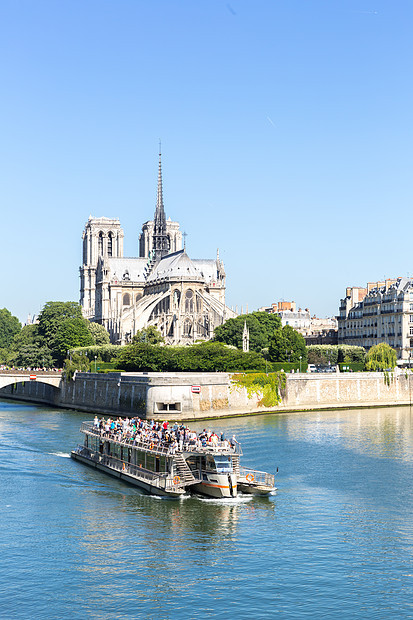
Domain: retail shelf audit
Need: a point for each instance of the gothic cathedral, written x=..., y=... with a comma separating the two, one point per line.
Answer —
x=183, y=298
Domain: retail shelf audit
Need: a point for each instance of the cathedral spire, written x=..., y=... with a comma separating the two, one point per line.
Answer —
x=160, y=238
x=160, y=211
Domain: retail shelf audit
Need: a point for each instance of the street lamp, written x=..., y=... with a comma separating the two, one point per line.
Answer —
x=95, y=362
x=300, y=362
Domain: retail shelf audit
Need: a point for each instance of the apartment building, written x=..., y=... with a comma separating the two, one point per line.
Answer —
x=380, y=312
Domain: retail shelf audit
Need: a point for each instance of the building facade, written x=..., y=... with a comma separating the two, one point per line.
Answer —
x=379, y=312
x=184, y=298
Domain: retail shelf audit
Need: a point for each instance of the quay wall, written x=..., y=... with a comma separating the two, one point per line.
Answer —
x=186, y=396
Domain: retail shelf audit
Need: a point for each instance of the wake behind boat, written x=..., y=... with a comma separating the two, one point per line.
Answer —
x=169, y=461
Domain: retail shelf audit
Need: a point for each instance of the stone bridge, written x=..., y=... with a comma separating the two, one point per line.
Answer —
x=10, y=378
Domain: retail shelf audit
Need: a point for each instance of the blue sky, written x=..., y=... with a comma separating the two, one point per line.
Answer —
x=286, y=131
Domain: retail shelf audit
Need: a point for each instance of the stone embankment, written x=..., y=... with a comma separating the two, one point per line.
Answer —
x=186, y=396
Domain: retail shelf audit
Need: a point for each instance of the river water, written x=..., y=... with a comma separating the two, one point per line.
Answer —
x=335, y=540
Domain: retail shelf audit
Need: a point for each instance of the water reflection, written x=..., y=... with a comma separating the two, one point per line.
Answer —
x=385, y=433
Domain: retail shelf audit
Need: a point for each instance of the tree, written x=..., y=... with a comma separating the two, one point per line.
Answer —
x=261, y=327
x=53, y=314
x=9, y=327
x=287, y=345
x=149, y=335
x=99, y=334
x=381, y=357
x=203, y=357
x=77, y=362
x=333, y=353
x=72, y=332
x=28, y=335
x=31, y=355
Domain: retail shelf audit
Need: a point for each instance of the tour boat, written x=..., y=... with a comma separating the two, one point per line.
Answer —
x=212, y=470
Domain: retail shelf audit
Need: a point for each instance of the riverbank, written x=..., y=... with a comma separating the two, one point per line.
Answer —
x=187, y=396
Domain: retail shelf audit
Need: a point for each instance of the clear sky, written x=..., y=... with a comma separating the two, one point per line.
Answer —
x=286, y=130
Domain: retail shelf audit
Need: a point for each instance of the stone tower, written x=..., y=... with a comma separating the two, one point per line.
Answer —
x=102, y=237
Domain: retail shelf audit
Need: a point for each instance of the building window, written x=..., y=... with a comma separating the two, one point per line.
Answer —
x=176, y=299
x=100, y=244
x=187, y=328
x=110, y=244
x=189, y=301
x=126, y=299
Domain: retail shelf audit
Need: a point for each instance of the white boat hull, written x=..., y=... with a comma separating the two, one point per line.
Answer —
x=124, y=476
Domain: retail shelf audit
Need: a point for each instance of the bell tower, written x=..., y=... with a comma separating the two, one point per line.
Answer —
x=102, y=238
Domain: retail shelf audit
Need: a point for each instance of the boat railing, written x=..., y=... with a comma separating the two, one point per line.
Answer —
x=256, y=477
x=155, y=446
x=161, y=480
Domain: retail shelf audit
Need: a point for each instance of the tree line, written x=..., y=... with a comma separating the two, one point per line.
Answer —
x=60, y=327
x=62, y=333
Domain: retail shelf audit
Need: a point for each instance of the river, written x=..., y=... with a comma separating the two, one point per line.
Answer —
x=334, y=541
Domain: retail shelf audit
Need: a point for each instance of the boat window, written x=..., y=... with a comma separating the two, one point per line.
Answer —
x=223, y=464
x=140, y=458
x=150, y=462
x=210, y=463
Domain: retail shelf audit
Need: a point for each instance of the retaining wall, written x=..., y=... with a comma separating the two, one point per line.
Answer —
x=184, y=396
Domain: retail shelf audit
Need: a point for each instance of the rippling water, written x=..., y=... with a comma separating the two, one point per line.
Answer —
x=335, y=541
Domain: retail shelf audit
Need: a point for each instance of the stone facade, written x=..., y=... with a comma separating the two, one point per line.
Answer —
x=380, y=312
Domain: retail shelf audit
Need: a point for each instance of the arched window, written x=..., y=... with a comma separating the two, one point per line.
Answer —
x=110, y=244
x=176, y=299
x=187, y=328
x=126, y=299
x=100, y=244
x=138, y=297
x=198, y=304
x=189, y=301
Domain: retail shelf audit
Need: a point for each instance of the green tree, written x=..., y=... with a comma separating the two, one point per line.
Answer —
x=77, y=361
x=203, y=357
x=28, y=335
x=287, y=345
x=149, y=335
x=53, y=314
x=381, y=357
x=9, y=327
x=31, y=355
x=261, y=327
x=72, y=332
x=99, y=334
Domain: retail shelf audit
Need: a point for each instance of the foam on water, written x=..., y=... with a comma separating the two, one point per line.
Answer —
x=63, y=455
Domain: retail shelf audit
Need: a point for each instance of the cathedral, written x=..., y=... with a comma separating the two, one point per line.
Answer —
x=183, y=298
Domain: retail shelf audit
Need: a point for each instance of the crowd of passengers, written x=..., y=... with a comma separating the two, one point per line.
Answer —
x=173, y=437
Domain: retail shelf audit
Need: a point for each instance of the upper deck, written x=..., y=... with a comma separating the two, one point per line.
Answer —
x=154, y=445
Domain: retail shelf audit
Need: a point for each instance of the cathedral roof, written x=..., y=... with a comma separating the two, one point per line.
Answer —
x=208, y=268
x=127, y=268
x=173, y=266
